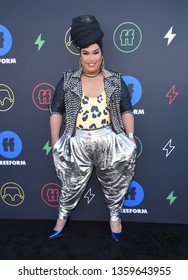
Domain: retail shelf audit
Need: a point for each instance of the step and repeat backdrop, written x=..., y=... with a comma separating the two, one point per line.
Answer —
x=145, y=40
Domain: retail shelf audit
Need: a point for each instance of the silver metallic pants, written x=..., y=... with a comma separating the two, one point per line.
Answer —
x=112, y=155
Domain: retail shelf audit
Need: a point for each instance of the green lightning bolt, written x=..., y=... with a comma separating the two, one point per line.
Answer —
x=39, y=42
x=171, y=197
x=47, y=148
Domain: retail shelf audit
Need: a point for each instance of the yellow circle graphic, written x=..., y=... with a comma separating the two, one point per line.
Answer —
x=68, y=43
x=6, y=98
x=12, y=194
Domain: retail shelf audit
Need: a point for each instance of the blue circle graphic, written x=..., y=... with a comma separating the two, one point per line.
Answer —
x=5, y=40
x=10, y=144
x=135, y=195
x=135, y=88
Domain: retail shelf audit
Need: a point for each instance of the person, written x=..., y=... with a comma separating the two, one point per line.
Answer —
x=98, y=132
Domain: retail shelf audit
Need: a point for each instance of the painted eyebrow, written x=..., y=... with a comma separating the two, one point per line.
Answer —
x=85, y=51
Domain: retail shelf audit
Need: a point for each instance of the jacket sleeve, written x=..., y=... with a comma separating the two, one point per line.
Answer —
x=57, y=105
x=125, y=104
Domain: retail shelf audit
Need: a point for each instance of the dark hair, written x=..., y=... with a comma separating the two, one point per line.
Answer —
x=85, y=31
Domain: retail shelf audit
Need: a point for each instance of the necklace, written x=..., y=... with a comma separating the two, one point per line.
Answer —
x=93, y=76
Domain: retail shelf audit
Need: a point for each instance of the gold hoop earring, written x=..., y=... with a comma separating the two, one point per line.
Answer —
x=102, y=64
x=80, y=64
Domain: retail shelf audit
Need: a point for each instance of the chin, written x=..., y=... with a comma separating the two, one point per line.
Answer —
x=92, y=70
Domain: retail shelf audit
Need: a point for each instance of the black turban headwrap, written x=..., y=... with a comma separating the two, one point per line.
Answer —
x=85, y=31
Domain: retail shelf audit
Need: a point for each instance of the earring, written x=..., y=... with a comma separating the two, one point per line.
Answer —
x=80, y=64
x=102, y=64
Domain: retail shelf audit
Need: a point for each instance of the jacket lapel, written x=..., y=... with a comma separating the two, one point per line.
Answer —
x=75, y=83
x=109, y=84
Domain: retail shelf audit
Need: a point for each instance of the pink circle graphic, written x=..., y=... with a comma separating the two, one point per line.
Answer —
x=50, y=194
x=42, y=96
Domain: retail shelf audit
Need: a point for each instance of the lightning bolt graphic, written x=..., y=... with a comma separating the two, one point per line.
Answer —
x=89, y=196
x=171, y=197
x=39, y=42
x=169, y=36
x=168, y=148
x=172, y=94
x=47, y=147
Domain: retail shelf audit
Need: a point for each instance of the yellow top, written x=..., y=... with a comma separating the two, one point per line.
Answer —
x=93, y=112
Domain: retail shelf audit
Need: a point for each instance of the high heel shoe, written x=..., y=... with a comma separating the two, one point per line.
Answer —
x=116, y=235
x=57, y=233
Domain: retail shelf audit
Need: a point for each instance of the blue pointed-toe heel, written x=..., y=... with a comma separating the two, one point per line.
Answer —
x=116, y=235
x=56, y=233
